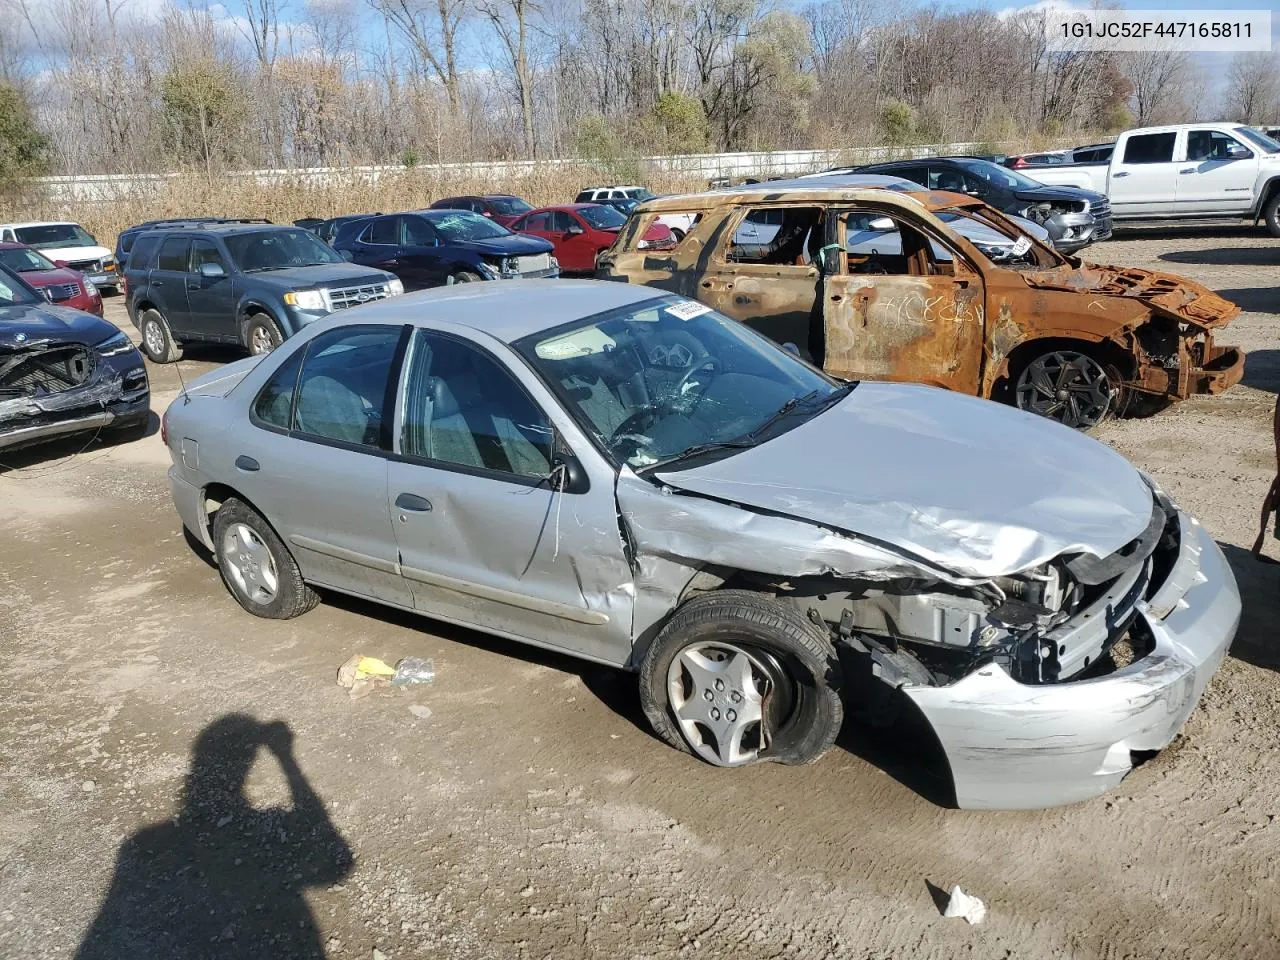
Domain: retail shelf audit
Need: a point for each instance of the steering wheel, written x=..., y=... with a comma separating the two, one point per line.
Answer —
x=632, y=429
x=707, y=364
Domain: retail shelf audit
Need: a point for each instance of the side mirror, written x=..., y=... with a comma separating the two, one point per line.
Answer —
x=567, y=474
x=212, y=271
x=575, y=230
x=1237, y=151
x=61, y=264
x=791, y=348
x=347, y=256
x=882, y=225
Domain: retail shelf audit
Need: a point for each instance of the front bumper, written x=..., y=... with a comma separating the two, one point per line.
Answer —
x=1075, y=231
x=1013, y=746
x=103, y=278
x=116, y=394
x=1202, y=368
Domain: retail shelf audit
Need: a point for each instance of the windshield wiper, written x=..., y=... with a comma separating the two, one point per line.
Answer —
x=787, y=408
x=698, y=449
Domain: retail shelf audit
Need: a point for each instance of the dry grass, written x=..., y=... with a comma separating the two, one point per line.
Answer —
x=292, y=195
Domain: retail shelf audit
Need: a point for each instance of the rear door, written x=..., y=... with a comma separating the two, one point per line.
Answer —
x=904, y=306
x=211, y=300
x=314, y=461
x=419, y=264
x=378, y=244
x=1143, y=177
x=763, y=270
x=168, y=283
x=1218, y=174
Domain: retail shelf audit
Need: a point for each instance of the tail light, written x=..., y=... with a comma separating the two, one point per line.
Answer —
x=164, y=428
x=124, y=285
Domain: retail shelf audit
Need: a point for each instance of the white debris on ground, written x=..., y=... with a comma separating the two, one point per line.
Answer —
x=962, y=905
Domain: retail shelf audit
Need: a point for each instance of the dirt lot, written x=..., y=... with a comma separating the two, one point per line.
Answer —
x=519, y=806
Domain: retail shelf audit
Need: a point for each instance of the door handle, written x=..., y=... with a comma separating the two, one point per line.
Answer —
x=248, y=464
x=392, y=263
x=1188, y=170
x=157, y=283
x=707, y=284
x=836, y=298
x=961, y=282
x=413, y=503
x=1122, y=173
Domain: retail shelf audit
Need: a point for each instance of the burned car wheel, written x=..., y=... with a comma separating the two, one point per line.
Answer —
x=157, y=341
x=735, y=677
x=256, y=566
x=1068, y=386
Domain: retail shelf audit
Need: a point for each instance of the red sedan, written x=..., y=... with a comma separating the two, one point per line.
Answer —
x=57, y=281
x=580, y=231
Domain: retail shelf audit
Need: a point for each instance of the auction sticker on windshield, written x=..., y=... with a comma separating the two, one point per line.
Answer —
x=687, y=310
x=1021, y=246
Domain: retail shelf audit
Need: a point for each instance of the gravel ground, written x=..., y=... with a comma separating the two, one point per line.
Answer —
x=519, y=807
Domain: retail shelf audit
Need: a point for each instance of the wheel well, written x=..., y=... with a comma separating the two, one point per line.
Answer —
x=215, y=495
x=256, y=310
x=1104, y=352
x=143, y=305
x=1269, y=190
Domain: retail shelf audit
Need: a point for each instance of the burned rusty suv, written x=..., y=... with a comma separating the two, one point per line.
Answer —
x=876, y=278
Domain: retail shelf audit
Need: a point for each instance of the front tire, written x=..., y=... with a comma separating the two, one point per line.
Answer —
x=261, y=335
x=1068, y=386
x=157, y=340
x=256, y=566
x=467, y=276
x=736, y=678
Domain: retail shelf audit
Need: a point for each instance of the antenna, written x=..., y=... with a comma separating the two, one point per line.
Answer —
x=186, y=398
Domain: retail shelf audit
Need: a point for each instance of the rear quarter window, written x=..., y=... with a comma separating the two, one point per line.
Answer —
x=1150, y=148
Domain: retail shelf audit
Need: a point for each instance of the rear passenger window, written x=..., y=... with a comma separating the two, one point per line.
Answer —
x=462, y=407
x=342, y=390
x=274, y=403
x=143, y=251
x=174, y=254
x=1150, y=148
x=382, y=231
x=778, y=236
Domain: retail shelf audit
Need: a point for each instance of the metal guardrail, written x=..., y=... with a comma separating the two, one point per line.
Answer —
x=105, y=188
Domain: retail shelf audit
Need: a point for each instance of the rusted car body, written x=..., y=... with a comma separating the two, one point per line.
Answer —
x=1073, y=341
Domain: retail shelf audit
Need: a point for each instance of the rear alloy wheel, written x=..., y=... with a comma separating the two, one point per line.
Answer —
x=1271, y=213
x=736, y=677
x=1068, y=386
x=256, y=566
x=261, y=335
x=157, y=341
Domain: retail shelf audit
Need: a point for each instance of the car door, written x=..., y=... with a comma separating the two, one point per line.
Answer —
x=770, y=284
x=379, y=244
x=314, y=461
x=1217, y=176
x=484, y=538
x=1143, y=179
x=420, y=263
x=168, y=284
x=211, y=300
x=574, y=241
x=910, y=310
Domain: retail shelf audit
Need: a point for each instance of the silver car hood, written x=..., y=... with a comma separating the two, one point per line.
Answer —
x=971, y=486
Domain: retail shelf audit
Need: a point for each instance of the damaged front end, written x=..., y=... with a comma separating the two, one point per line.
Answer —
x=51, y=387
x=1172, y=341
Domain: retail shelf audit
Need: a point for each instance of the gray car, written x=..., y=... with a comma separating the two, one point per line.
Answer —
x=629, y=477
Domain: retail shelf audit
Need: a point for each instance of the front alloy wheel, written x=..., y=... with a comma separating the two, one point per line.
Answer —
x=1067, y=386
x=718, y=693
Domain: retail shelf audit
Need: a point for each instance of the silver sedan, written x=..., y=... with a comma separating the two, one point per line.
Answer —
x=632, y=478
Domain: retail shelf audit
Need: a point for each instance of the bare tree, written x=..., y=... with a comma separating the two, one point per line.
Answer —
x=423, y=24
x=510, y=21
x=1252, y=87
x=1159, y=80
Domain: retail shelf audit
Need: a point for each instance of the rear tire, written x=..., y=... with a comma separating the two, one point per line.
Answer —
x=256, y=566
x=1271, y=213
x=736, y=678
x=467, y=276
x=157, y=340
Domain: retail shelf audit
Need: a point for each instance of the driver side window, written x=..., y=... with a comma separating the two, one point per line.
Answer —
x=463, y=408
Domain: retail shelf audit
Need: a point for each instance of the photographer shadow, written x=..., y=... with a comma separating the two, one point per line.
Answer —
x=223, y=878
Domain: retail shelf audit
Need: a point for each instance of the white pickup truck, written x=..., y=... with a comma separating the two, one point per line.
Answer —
x=1186, y=171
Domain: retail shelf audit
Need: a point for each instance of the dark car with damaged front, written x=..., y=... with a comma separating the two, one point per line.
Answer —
x=64, y=371
x=1074, y=218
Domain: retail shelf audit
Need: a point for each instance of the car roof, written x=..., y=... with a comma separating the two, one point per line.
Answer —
x=556, y=207
x=819, y=187
x=505, y=309
x=40, y=223
x=222, y=229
